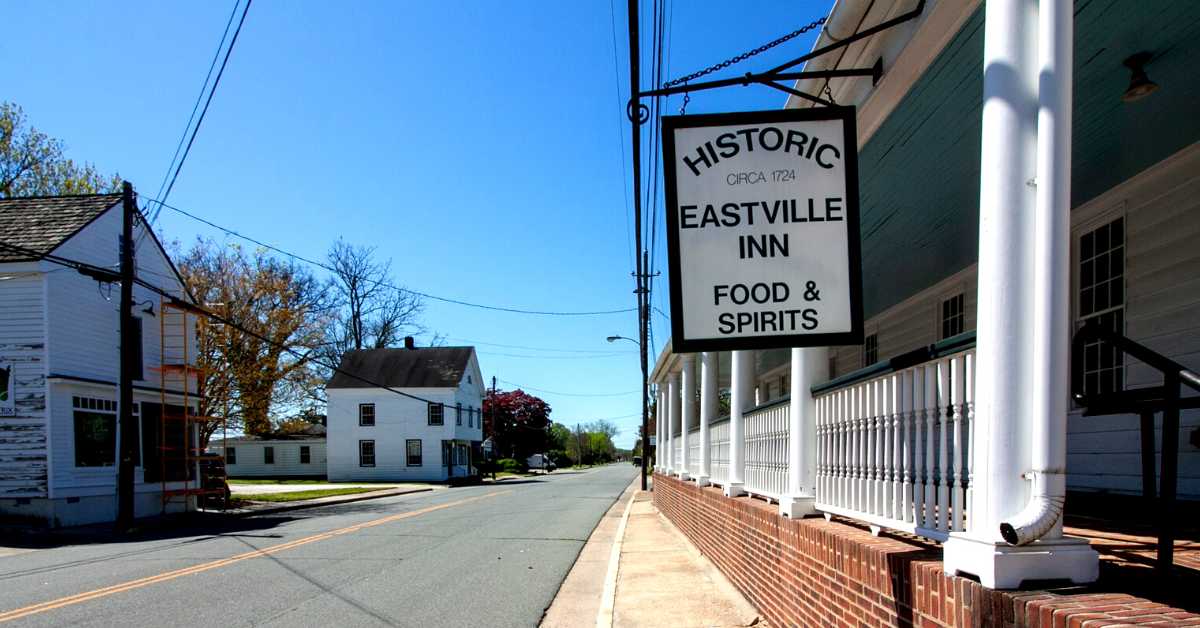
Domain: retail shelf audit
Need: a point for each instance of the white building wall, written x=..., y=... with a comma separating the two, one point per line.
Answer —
x=84, y=325
x=1161, y=207
x=24, y=437
x=397, y=419
x=251, y=458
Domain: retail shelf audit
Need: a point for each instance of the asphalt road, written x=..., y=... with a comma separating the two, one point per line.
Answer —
x=489, y=555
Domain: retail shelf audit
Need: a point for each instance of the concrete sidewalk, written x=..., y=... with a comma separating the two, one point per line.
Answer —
x=638, y=570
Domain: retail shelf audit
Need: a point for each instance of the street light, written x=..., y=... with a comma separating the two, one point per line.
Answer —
x=645, y=410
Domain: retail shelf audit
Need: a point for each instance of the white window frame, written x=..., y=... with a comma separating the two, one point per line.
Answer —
x=1092, y=223
x=408, y=454
x=361, y=415
x=362, y=456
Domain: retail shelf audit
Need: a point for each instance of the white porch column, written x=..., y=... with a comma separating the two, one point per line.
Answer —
x=666, y=423
x=708, y=411
x=741, y=399
x=658, y=429
x=809, y=368
x=673, y=417
x=1023, y=255
x=688, y=411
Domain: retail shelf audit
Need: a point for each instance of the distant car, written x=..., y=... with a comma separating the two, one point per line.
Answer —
x=540, y=461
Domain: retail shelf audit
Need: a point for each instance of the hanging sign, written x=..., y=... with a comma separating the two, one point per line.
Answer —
x=762, y=229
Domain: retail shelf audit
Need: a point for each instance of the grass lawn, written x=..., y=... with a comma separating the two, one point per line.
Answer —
x=294, y=496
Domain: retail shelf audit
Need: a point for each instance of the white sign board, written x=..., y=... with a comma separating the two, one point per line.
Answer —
x=762, y=229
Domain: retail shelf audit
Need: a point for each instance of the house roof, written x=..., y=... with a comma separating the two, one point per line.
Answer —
x=42, y=223
x=428, y=367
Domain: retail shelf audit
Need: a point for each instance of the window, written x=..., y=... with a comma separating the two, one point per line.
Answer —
x=470, y=417
x=953, y=316
x=871, y=349
x=437, y=413
x=366, y=414
x=231, y=455
x=268, y=455
x=413, y=449
x=1102, y=298
x=366, y=453
x=305, y=454
x=458, y=414
x=137, y=348
x=95, y=432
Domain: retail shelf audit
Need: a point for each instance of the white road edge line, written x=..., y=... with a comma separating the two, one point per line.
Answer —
x=604, y=617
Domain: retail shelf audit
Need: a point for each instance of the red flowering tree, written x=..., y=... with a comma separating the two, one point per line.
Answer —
x=518, y=423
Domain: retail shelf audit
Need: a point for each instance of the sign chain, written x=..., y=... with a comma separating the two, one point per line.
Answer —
x=745, y=55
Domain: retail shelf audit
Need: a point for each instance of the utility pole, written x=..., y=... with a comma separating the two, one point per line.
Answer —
x=127, y=427
x=635, y=119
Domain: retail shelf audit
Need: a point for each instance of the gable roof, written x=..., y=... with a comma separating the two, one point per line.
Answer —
x=42, y=223
x=428, y=367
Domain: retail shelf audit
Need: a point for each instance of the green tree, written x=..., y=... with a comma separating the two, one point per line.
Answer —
x=33, y=164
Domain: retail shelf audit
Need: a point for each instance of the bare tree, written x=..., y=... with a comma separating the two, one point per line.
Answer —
x=372, y=312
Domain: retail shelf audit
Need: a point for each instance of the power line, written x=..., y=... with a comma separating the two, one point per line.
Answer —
x=620, y=354
x=496, y=344
x=552, y=392
x=427, y=295
x=196, y=107
x=200, y=120
x=620, y=142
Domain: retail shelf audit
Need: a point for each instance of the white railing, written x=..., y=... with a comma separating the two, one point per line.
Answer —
x=894, y=450
x=767, y=449
x=694, y=451
x=718, y=451
x=677, y=461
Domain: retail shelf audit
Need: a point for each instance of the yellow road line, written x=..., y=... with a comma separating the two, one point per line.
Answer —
x=195, y=569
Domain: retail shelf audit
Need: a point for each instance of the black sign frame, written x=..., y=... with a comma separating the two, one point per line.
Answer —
x=847, y=115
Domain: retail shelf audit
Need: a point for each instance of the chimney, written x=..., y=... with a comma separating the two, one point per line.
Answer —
x=408, y=343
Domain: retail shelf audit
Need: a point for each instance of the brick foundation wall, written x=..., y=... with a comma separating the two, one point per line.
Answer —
x=812, y=572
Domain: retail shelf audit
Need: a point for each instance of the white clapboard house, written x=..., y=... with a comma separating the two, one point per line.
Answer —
x=59, y=348
x=300, y=455
x=431, y=432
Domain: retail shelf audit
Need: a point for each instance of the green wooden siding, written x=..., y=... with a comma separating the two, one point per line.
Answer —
x=919, y=173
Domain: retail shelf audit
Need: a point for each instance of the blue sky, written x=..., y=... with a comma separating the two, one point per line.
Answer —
x=477, y=145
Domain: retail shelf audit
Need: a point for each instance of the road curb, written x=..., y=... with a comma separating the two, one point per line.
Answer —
x=331, y=502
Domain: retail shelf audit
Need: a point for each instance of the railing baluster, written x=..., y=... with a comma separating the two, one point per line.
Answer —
x=887, y=475
x=956, y=397
x=905, y=380
x=864, y=469
x=969, y=401
x=843, y=410
x=930, y=417
x=943, y=457
x=894, y=468
x=918, y=417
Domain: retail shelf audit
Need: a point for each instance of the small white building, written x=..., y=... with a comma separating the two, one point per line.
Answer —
x=59, y=348
x=427, y=425
x=274, y=456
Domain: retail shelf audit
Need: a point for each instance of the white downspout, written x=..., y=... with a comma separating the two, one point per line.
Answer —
x=1051, y=279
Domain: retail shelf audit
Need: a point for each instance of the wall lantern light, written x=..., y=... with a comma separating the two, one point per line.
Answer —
x=1140, y=85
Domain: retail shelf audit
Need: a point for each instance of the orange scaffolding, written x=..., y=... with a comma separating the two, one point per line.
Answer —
x=179, y=450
